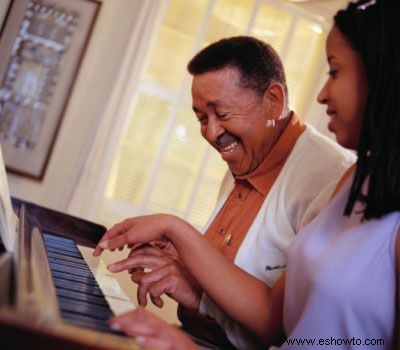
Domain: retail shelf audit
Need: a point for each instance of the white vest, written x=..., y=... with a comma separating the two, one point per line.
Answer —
x=302, y=189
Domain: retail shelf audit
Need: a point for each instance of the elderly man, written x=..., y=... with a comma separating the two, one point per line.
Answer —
x=282, y=172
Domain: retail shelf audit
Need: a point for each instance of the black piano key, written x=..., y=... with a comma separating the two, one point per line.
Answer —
x=83, y=308
x=58, y=239
x=63, y=249
x=85, y=273
x=69, y=266
x=89, y=298
x=58, y=256
x=77, y=286
x=66, y=253
x=81, y=300
x=62, y=275
x=62, y=258
x=60, y=246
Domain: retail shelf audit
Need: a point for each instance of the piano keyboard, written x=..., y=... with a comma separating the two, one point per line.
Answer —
x=87, y=295
x=117, y=298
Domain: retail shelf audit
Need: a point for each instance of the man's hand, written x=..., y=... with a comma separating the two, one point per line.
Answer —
x=168, y=276
x=141, y=229
x=151, y=332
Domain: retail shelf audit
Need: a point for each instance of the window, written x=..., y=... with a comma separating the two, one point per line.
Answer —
x=162, y=163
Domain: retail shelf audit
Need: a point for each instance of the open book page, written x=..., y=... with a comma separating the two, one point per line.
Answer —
x=8, y=220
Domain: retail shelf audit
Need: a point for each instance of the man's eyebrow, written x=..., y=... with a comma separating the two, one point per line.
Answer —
x=212, y=104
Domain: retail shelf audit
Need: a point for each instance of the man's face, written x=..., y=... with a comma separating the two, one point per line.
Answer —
x=233, y=119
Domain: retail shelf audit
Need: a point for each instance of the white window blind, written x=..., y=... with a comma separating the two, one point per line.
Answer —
x=162, y=163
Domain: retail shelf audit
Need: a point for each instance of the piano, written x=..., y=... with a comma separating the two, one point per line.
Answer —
x=53, y=293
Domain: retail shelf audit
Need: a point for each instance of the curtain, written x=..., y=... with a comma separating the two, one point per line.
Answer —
x=85, y=190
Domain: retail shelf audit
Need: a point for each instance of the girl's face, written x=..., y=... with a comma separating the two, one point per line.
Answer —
x=345, y=91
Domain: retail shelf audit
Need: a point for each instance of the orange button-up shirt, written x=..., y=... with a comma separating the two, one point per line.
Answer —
x=230, y=226
x=232, y=223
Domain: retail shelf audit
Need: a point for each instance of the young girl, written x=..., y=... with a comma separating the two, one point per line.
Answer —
x=342, y=276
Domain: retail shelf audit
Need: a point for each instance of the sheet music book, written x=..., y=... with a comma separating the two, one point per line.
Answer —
x=8, y=219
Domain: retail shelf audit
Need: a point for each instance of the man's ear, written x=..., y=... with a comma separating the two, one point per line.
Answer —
x=275, y=95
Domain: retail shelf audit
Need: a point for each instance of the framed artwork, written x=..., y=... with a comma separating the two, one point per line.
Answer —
x=42, y=43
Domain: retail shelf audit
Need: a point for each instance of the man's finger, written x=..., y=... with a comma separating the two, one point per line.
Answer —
x=137, y=277
x=134, y=270
x=151, y=332
x=156, y=283
x=114, y=231
x=167, y=247
x=97, y=251
x=156, y=342
x=157, y=301
x=146, y=282
x=141, y=294
x=139, y=261
x=146, y=249
x=162, y=286
x=115, y=243
x=138, y=322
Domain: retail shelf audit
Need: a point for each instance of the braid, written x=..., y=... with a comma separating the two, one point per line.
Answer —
x=372, y=32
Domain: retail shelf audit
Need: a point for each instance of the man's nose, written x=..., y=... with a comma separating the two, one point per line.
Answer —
x=214, y=130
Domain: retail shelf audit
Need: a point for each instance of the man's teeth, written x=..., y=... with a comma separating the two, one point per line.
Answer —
x=229, y=148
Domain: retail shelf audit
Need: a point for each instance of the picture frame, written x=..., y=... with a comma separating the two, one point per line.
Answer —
x=42, y=43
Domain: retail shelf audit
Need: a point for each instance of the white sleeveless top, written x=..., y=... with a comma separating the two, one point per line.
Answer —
x=341, y=281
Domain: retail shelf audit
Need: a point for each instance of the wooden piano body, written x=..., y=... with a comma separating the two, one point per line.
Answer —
x=30, y=316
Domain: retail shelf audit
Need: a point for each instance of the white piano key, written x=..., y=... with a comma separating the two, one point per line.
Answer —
x=116, y=297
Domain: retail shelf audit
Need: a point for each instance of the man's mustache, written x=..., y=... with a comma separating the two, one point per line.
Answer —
x=224, y=139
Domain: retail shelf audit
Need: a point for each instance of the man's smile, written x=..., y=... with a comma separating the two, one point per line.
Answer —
x=226, y=143
x=229, y=148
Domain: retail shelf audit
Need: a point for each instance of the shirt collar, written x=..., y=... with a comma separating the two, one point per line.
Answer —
x=261, y=177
